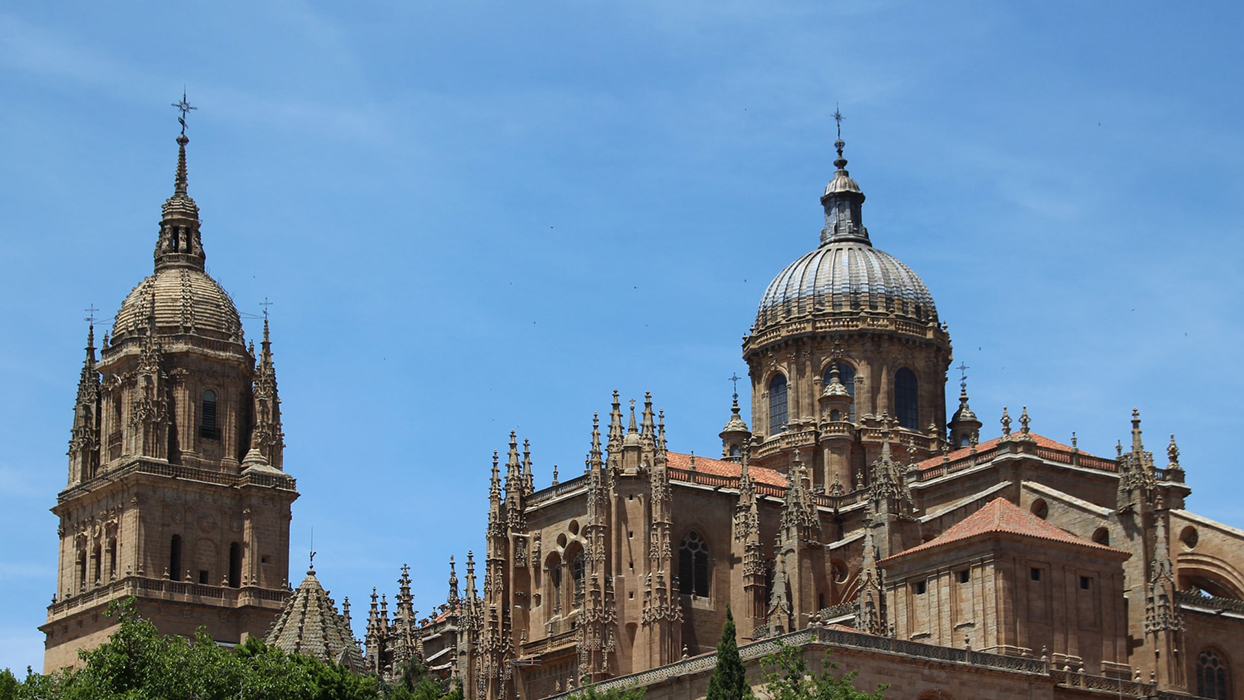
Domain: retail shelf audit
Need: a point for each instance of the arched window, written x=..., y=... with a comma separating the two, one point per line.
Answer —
x=1212, y=676
x=777, y=404
x=99, y=563
x=906, y=404
x=81, y=567
x=693, y=565
x=207, y=426
x=576, y=574
x=174, y=558
x=235, y=565
x=846, y=375
x=555, y=582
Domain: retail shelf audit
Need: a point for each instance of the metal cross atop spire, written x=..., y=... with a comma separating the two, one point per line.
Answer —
x=185, y=108
x=963, y=376
x=90, y=318
x=734, y=377
x=839, y=144
x=265, y=304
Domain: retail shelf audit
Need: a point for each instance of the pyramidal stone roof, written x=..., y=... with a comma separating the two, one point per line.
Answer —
x=310, y=625
x=1002, y=516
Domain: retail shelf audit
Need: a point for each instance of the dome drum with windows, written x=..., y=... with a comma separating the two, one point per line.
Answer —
x=847, y=344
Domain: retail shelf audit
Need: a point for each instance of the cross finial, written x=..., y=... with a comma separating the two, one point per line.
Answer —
x=185, y=108
x=90, y=318
x=839, y=144
x=963, y=375
x=734, y=377
x=265, y=304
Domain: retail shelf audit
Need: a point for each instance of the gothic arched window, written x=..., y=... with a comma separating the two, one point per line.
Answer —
x=576, y=574
x=555, y=581
x=906, y=395
x=1212, y=677
x=693, y=565
x=777, y=404
x=846, y=375
x=207, y=426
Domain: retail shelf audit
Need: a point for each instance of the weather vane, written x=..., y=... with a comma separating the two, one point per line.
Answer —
x=90, y=318
x=963, y=375
x=185, y=108
x=265, y=304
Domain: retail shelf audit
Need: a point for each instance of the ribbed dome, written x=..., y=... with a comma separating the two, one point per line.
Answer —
x=184, y=300
x=846, y=276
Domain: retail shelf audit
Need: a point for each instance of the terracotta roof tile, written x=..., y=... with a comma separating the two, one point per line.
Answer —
x=1002, y=516
x=961, y=452
x=717, y=467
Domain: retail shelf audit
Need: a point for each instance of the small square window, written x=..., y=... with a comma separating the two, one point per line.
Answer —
x=921, y=587
x=1036, y=574
x=1086, y=583
x=203, y=576
x=965, y=576
x=265, y=559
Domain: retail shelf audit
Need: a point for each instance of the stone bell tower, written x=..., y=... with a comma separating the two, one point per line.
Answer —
x=176, y=492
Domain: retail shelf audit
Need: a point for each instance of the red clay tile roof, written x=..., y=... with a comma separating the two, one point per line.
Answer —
x=717, y=467
x=1041, y=441
x=1000, y=515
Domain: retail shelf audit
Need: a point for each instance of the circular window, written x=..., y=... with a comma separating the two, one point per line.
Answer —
x=1040, y=509
x=561, y=540
x=839, y=571
x=1189, y=537
x=574, y=527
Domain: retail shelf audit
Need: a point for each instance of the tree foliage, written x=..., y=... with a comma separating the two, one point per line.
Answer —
x=729, y=679
x=138, y=663
x=787, y=678
x=591, y=692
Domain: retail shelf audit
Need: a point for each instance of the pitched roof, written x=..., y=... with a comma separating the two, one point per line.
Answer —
x=310, y=625
x=1002, y=516
x=1040, y=440
x=717, y=467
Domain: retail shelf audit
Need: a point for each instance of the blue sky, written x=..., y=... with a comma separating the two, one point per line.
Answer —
x=476, y=217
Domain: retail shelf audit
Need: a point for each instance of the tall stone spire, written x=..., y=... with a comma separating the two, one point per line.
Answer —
x=84, y=436
x=267, y=436
x=452, y=600
x=614, y=445
x=843, y=201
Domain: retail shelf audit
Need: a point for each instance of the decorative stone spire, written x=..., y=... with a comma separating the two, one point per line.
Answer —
x=309, y=624
x=843, y=201
x=735, y=434
x=179, y=244
x=267, y=436
x=964, y=425
x=616, y=435
x=452, y=600
x=84, y=443
x=1006, y=424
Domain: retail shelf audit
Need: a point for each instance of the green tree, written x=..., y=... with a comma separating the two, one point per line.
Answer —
x=729, y=679
x=137, y=663
x=591, y=692
x=415, y=683
x=787, y=678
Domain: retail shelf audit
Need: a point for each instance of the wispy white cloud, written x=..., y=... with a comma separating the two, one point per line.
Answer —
x=35, y=50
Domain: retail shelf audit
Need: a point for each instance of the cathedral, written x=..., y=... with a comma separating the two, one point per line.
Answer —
x=850, y=514
x=855, y=511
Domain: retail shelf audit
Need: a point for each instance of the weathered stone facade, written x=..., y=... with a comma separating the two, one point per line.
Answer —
x=1016, y=566
x=176, y=492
